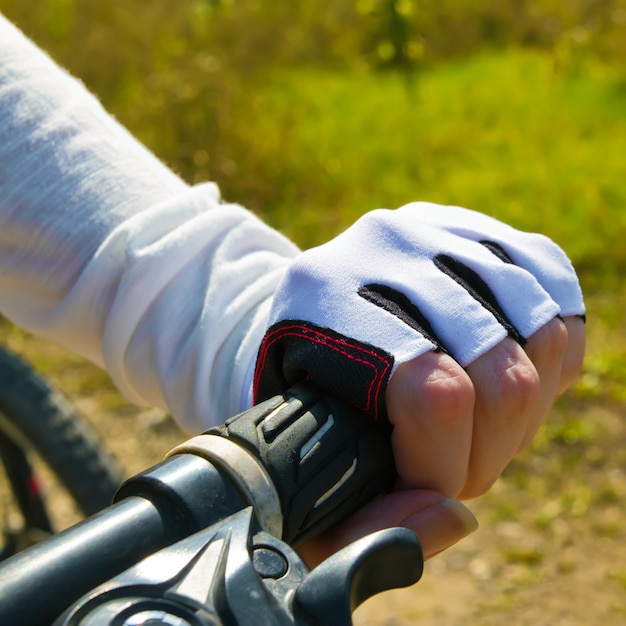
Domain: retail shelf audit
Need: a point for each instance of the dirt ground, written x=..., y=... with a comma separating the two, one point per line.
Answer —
x=579, y=581
x=551, y=549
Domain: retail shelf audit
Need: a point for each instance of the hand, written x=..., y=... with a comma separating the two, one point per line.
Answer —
x=455, y=431
x=456, y=327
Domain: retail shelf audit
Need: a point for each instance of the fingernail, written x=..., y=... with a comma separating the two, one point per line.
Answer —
x=441, y=525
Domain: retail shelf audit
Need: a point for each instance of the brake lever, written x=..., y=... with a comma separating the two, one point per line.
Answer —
x=235, y=573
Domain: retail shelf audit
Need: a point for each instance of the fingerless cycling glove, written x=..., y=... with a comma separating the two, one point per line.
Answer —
x=399, y=283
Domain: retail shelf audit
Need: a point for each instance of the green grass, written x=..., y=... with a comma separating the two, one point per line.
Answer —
x=503, y=133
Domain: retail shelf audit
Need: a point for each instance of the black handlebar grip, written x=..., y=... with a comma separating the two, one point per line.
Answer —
x=325, y=458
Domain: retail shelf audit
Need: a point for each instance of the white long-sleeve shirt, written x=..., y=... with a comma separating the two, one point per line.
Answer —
x=108, y=253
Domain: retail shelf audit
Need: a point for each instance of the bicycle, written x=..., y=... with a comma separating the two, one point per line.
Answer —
x=205, y=537
x=38, y=424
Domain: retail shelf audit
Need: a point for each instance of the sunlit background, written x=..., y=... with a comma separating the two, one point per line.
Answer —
x=312, y=113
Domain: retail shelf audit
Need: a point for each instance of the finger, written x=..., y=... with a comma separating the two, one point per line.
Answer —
x=574, y=352
x=507, y=390
x=430, y=402
x=438, y=521
x=546, y=349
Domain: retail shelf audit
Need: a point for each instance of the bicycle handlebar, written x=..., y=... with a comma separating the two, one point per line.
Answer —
x=300, y=462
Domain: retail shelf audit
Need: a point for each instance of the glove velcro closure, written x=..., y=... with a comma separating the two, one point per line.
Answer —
x=293, y=351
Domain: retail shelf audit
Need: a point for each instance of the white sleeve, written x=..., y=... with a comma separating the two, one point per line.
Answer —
x=108, y=253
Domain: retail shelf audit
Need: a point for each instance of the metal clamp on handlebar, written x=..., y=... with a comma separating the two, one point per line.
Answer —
x=245, y=471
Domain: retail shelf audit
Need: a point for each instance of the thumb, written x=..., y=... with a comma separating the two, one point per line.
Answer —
x=438, y=521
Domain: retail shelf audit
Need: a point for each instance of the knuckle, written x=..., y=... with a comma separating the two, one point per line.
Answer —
x=450, y=394
x=520, y=385
x=508, y=378
x=433, y=385
x=548, y=344
x=553, y=339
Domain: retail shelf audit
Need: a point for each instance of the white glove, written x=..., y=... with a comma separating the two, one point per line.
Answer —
x=399, y=283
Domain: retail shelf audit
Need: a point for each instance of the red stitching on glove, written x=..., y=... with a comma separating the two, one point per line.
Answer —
x=305, y=332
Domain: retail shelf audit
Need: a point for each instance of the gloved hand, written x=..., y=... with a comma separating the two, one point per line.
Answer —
x=400, y=283
x=459, y=329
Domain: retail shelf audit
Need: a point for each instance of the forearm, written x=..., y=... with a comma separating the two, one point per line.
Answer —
x=105, y=251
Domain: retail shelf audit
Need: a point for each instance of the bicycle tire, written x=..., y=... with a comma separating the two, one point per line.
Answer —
x=40, y=418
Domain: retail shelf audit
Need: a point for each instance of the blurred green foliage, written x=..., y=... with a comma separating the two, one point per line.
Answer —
x=284, y=104
x=312, y=113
